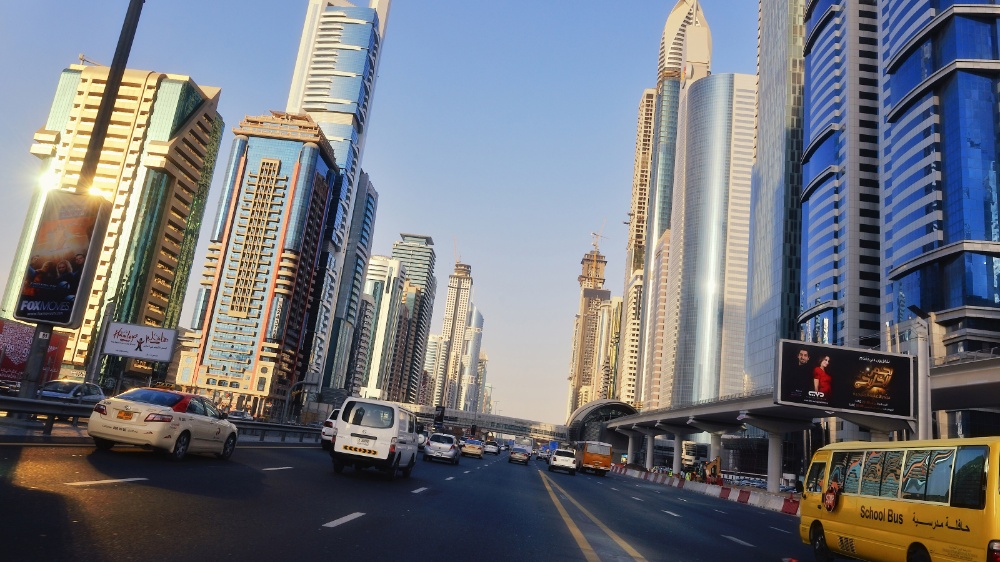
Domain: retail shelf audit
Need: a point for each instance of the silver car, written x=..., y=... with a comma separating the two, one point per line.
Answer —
x=68, y=390
x=442, y=446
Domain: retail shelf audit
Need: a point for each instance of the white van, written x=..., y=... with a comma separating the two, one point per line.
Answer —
x=374, y=433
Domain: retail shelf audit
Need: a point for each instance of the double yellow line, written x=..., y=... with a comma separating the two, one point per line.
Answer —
x=581, y=541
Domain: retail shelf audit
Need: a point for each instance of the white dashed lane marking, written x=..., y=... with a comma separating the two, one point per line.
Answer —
x=450, y=478
x=467, y=471
x=636, y=499
x=418, y=490
x=719, y=510
x=782, y=530
x=670, y=513
x=343, y=519
x=278, y=468
x=738, y=541
x=116, y=481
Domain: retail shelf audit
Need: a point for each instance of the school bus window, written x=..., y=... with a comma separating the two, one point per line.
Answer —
x=939, y=475
x=871, y=480
x=890, y=474
x=968, y=488
x=915, y=475
x=852, y=478
x=837, y=466
x=814, y=482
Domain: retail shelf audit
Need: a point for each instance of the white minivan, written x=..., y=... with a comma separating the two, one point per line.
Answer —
x=373, y=433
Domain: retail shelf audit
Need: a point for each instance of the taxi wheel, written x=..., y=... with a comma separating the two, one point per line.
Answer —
x=409, y=469
x=550, y=469
x=818, y=540
x=180, y=446
x=390, y=473
x=103, y=444
x=228, y=447
x=426, y=458
x=455, y=461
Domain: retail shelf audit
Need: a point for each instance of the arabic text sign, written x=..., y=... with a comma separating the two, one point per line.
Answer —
x=140, y=342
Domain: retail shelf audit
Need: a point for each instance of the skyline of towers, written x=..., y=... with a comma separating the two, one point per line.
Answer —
x=261, y=264
x=155, y=169
x=385, y=283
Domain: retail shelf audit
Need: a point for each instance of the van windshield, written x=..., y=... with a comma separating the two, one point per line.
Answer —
x=366, y=414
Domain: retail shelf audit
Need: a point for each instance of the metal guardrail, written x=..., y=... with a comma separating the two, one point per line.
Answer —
x=66, y=409
x=50, y=408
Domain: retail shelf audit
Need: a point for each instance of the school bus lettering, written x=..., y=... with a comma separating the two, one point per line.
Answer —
x=881, y=515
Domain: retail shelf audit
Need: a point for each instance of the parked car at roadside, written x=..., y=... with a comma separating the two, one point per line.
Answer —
x=69, y=390
x=441, y=446
x=239, y=415
x=175, y=422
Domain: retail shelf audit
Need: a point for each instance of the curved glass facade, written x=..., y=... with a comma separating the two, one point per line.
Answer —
x=715, y=224
x=940, y=169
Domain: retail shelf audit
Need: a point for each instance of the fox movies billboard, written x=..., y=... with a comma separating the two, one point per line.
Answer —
x=63, y=258
x=844, y=379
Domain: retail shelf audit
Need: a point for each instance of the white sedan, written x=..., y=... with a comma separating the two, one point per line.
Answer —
x=175, y=422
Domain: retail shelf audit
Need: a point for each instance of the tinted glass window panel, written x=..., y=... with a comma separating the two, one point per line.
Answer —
x=968, y=487
x=891, y=468
x=852, y=476
x=915, y=475
x=814, y=481
x=939, y=475
x=871, y=479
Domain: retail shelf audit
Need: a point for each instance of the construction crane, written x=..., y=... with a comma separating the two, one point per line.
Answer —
x=597, y=236
x=85, y=60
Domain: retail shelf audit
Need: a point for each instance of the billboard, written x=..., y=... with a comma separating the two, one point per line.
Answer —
x=844, y=379
x=15, y=346
x=148, y=343
x=63, y=257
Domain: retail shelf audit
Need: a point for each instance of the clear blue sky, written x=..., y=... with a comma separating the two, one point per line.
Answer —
x=504, y=130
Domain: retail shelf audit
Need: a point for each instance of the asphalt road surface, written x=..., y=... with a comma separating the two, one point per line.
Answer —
x=278, y=502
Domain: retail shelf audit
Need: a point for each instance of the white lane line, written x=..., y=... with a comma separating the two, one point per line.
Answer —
x=279, y=468
x=719, y=510
x=782, y=530
x=467, y=471
x=636, y=499
x=343, y=519
x=615, y=489
x=669, y=513
x=450, y=478
x=418, y=490
x=738, y=541
x=105, y=481
x=683, y=500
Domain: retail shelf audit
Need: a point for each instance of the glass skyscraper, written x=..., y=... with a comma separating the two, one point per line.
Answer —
x=940, y=135
x=416, y=251
x=775, y=217
x=262, y=262
x=333, y=82
x=711, y=218
x=839, y=296
x=681, y=53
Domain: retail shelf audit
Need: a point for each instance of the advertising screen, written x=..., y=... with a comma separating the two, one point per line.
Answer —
x=62, y=261
x=15, y=345
x=844, y=379
x=140, y=342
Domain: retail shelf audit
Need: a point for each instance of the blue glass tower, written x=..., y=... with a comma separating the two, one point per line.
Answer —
x=333, y=82
x=839, y=298
x=942, y=223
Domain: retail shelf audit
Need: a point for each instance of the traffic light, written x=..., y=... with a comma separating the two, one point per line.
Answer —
x=474, y=428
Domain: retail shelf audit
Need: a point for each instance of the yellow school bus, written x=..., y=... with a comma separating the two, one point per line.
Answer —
x=906, y=501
